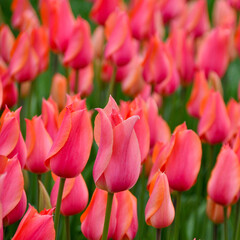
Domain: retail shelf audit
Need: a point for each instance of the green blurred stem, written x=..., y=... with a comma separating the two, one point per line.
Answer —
x=112, y=82
x=177, y=216
x=225, y=224
x=59, y=200
x=55, y=63
x=76, y=82
x=158, y=237
x=211, y=160
x=237, y=222
x=107, y=215
x=215, y=230
x=67, y=77
x=39, y=178
x=67, y=223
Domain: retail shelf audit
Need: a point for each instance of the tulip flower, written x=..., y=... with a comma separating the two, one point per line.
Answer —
x=214, y=124
x=98, y=39
x=215, y=44
x=38, y=143
x=127, y=221
x=24, y=64
x=71, y=147
x=215, y=212
x=6, y=41
x=159, y=211
x=93, y=218
x=180, y=159
x=199, y=95
x=36, y=225
x=120, y=46
x=224, y=183
x=75, y=195
x=118, y=150
x=234, y=3
x=102, y=9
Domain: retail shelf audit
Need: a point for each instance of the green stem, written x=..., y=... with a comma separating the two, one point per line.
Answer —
x=76, y=82
x=112, y=82
x=107, y=216
x=237, y=222
x=215, y=230
x=211, y=160
x=58, y=206
x=67, y=223
x=225, y=224
x=55, y=63
x=177, y=216
x=158, y=237
x=39, y=178
x=67, y=77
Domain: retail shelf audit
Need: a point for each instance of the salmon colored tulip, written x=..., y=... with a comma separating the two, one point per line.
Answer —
x=79, y=51
x=50, y=116
x=75, y=195
x=118, y=150
x=224, y=183
x=7, y=40
x=38, y=143
x=199, y=95
x=180, y=159
x=138, y=107
x=71, y=147
x=120, y=47
x=127, y=221
x=215, y=212
x=102, y=9
x=194, y=18
x=24, y=64
x=36, y=225
x=213, y=53
x=159, y=211
x=59, y=90
x=214, y=124
x=92, y=220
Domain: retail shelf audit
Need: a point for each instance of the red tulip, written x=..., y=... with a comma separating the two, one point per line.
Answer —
x=38, y=144
x=75, y=195
x=214, y=124
x=36, y=225
x=79, y=51
x=159, y=211
x=224, y=183
x=71, y=147
x=93, y=218
x=118, y=150
x=127, y=221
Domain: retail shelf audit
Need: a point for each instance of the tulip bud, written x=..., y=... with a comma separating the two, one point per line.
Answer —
x=44, y=199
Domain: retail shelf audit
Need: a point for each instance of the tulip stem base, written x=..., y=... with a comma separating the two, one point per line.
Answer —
x=58, y=206
x=107, y=216
x=158, y=236
x=215, y=231
x=177, y=216
x=237, y=222
x=67, y=223
x=225, y=224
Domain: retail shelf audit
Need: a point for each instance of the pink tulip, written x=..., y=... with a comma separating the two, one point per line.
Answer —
x=159, y=211
x=127, y=221
x=234, y=3
x=38, y=144
x=36, y=225
x=224, y=183
x=118, y=150
x=93, y=218
x=71, y=147
x=79, y=51
x=98, y=39
x=75, y=195
x=214, y=124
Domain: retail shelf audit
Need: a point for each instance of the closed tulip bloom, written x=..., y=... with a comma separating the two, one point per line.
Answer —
x=71, y=147
x=38, y=143
x=127, y=221
x=75, y=195
x=102, y=9
x=199, y=94
x=215, y=212
x=117, y=165
x=224, y=183
x=159, y=211
x=92, y=220
x=215, y=44
x=120, y=47
x=214, y=124
x=24, y=64
x=6, y=42
x=36, y=225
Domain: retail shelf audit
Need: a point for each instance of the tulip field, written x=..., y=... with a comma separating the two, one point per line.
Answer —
x=120, y=119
